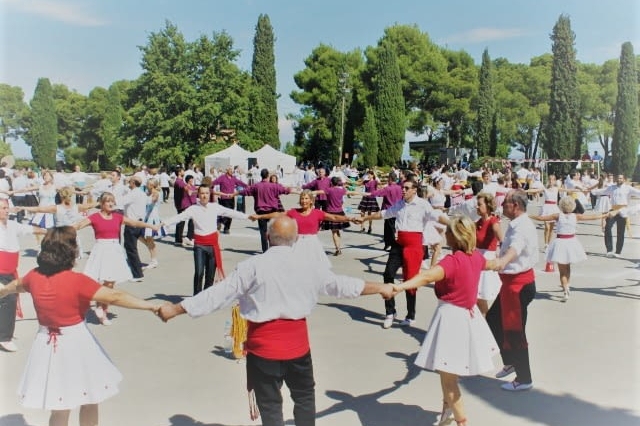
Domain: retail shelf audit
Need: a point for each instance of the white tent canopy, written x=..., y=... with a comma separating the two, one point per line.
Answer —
x=234, y=155
x=270, y=158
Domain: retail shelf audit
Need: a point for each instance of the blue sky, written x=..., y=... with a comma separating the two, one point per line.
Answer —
x=89, y=43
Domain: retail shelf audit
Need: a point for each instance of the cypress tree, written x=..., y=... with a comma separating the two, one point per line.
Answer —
x=263, y=119
x=389, y=107
x=624, y=146
x=562, y=137
x=485, y=107
x=42, y=134
x=370, y=138
x=111, y=128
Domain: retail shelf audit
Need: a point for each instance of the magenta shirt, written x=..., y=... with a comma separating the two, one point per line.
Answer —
x=319, y=185
x=335, y=196
x=266, y=194
x=390, y=194
x=228, y=184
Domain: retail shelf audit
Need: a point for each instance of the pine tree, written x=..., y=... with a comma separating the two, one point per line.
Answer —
x=42, y=134
x=485, y=107
x=389, y=107
x=624, y=146
x=370, y=138
x=263, y=120
x=562, y=137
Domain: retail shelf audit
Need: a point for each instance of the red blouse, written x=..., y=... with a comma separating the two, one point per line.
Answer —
x=62, y=299
x=461, y=277
x=106, y=229
x=486, y=238
x=307, y=225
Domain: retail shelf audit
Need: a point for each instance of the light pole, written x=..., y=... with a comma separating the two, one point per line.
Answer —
x=344, y=90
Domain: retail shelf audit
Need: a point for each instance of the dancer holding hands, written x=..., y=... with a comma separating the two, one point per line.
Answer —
x=565, y=249
x=459, y=342
x=67, y=367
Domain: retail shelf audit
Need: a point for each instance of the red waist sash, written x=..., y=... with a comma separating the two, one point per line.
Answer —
x=550, y=202
x=212, y=240
x=564, y=236
x=510, y=308
x=280, y=339
x=9, y=263
x=412, y=253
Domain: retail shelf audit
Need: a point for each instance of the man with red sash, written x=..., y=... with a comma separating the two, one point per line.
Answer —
x=391, y=194
x=10, y=230
x=277, y=291
x=412, y=214
x=507, y=317
x=207, y=257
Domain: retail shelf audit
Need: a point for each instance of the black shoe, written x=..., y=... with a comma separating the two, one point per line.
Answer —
x=226, y=231
x=369, y=231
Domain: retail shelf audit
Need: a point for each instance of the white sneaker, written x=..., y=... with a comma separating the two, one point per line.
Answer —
x=506, y=370
x=445, y=418
x=151, y=265
x=99, y=312
x=516, y=386
x=388, y=321
x=407, y=322
x=612, y=254
x=9, y=346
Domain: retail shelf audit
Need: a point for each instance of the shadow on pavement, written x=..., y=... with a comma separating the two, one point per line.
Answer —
x=184, y=420
x=173, y=298
x=546, y=409
x=13, y=420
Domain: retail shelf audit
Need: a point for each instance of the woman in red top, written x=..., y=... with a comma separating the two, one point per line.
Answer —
x=488, y=235
x=67, y=367
x=107, y=263
x=309, y=220
x=459, y=342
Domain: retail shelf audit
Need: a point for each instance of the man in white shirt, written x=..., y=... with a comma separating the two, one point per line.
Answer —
x=79, y=180
x=19, y=183
x=206, y=249
x=118, y=190
x=277, y=290
x=412, y=214
x=620, y=194
x=507, y=317
x=135, y=207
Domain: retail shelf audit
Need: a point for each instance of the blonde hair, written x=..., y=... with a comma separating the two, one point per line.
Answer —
x=309, y=194
x=67, y=193
x=567, y=204
x=106, y=196
x=489, y=201
x=463, y=231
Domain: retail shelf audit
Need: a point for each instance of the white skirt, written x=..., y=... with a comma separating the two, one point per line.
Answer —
x=489, y=285
x=549, y=209
x=603, y=204
x=433, y=233
x=311, y=248
x=108, y=262
x=66, y=371
x=43, y=220
x=458, y=341
x=565, y=251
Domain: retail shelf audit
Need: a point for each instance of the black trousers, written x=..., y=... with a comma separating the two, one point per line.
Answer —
x=131, y=236
x=230, y=204
x=8, y=306
x=516, y=355
x=180, y=229
x=321, y=205
x=394, y=262
x=389, y=231
x=621, y=223
x=267, y=377
x=262, y=227
x=204, y=262
x=165, y=194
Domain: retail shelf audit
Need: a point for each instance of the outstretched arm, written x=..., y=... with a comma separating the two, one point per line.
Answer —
x=13, y=287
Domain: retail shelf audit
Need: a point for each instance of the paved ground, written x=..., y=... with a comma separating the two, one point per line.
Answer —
x=584, y=353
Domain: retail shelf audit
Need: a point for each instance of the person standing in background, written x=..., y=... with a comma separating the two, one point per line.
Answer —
x=228, y=184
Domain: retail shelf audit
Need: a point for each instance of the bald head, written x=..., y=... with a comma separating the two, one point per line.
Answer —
x=282, y=231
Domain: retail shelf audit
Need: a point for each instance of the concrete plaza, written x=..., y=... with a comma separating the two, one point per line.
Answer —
x=584, y=353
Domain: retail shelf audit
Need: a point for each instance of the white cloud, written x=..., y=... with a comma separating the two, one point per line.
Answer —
x=285, y=127
x=481, y=35
x=70, y=12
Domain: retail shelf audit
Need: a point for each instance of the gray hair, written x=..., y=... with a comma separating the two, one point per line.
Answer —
x=567, y=204
x=282, y=231
x=519, y=197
